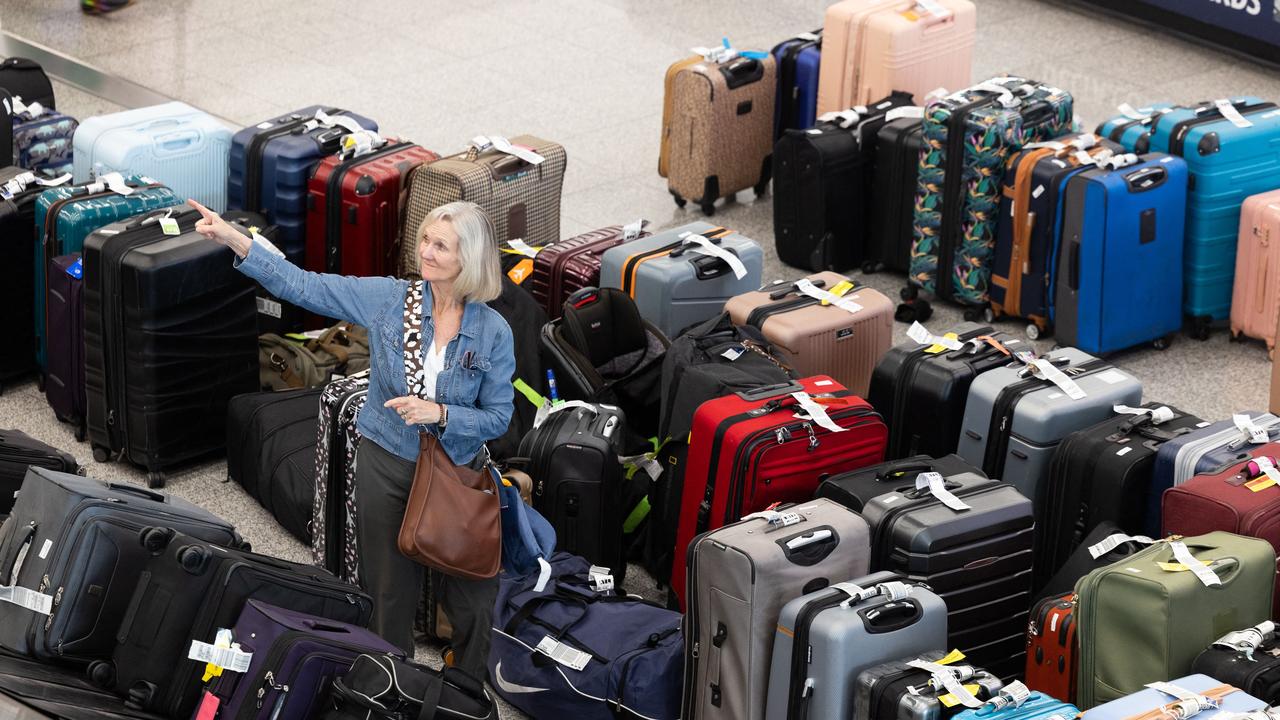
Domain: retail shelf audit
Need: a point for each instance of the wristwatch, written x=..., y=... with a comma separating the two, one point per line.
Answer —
x=444, y=416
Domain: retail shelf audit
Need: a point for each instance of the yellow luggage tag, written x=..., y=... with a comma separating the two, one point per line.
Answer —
x=222, y=641
x=839, y=290
x=935, y=349
x=950, y=700
x=1177, y=566
x=954, y=656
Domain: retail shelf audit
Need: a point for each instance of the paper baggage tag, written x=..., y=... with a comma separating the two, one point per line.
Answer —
x=816, y=412
x=76, y=269
x=933, y=8
x=1128, y=111
x=1111, y=542
x=807, y=36
x=1230, y=112
x=632, y=230
x=915, y=112
x=950, y=700
x=855, y=592
x=1051, y=373
x=1158, y=415
x=644, y=461
x=1181, y=694
x=950, y=679
x=952, y=657
x=523, y=248
x=269, y=307
x=828, y=298
x=528, y=155
x=937, y=487
x=1247, y=640
x=569, y=657
x=776, y=519
x=347, y=123
x=844, y=118
x=601, y=578
x=1246, y=425
x=1270, y=477
x=733, y=353
x=548, y=409
x=920, y=334
x=1207, y=577
x=228, y=658
x=27, y=598
x=706, y=247
x=169, y=226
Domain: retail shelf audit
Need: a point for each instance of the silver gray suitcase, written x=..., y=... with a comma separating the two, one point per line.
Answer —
x=1014, y=421
x=678, y=280
x=897, y=691
x=739, y=578
x=826, y=638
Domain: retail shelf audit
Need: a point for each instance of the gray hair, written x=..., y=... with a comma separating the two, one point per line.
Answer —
x=481, y=276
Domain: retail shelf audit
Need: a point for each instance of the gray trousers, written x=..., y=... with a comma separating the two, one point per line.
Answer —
x=383, y=480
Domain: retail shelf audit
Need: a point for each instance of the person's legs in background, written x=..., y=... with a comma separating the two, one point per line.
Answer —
x=469, y=605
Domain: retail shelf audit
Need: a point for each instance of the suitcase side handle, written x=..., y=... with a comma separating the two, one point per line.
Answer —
x=141, y=492
x=769, y=391
x=896, y=472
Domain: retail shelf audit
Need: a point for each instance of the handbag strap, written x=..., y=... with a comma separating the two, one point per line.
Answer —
x=431, y=700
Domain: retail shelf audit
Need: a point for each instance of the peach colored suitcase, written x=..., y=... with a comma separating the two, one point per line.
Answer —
x=1275, y=382
x=1255, y=296
x=871, y=48
x=822, y=339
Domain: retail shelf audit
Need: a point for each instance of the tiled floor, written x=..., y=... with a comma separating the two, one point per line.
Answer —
x=588, y=74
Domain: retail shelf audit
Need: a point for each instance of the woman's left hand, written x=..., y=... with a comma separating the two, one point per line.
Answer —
x=415, y=410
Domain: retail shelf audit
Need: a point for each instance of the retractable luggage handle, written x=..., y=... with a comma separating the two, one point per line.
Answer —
x=794, y=287
x=769, y=391
x=897, y=472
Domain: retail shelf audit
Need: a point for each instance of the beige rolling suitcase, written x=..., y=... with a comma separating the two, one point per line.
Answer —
x=844, y=341
x=517, y=182
x=872, y=47
x=1255, y=296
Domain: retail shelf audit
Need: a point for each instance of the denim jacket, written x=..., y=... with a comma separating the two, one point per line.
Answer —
x=479, y=394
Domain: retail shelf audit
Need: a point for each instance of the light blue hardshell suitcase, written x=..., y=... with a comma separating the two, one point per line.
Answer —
x=1150, y=699
x=1131, y=123
x=1016, y=702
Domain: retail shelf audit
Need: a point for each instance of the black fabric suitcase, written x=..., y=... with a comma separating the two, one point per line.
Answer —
x=526, y=318
x=978, y=560
x=164, y=353
x=1248, y=659
x=1082, y=562
x=1101, y=473
x=922, y=394
x=894, y=164
x=189, y=590
x=17, y=278
x=31, y=690
x=73, y=542
x=27, y=80
x=578, y=483
x=19, y=451
x=821, y=184
x=271, y=453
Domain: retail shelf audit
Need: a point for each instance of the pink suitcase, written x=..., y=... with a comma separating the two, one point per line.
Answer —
x=1255, y=297
x=872, y=47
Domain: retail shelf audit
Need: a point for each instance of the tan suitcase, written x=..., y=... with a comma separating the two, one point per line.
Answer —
x=718, y=128
x=818, y=339
x=872, y=47
x=522, y=199
x=1255, y=296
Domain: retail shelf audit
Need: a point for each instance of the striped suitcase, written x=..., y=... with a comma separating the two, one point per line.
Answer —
x=798, y=60
x=561, y=269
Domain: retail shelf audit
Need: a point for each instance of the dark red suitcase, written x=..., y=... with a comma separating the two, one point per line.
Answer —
x=354, y=210
x=749, y=450
x=64, y=328
x=1238, y=499
x=563, y=268
x=1051, y=648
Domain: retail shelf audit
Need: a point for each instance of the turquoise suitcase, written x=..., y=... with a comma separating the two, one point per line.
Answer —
x=1126, y=127
x=1033, y=706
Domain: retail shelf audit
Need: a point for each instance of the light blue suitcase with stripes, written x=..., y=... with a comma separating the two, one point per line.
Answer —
x=1149, y=699
x=1035, y=706
x=1132, y=123
x=178, y=145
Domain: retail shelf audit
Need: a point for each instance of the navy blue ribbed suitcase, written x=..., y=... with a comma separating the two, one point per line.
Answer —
x=798, y=60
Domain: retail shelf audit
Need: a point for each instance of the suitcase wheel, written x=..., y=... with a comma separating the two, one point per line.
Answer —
x=193, y=559
x=1033, y=331
x=708, y=207
x=1162, y=343
x=980, y=313
x=913, y=311
x=155, y=539
x=1200, y=327
x=156, y=479
x=140, y=695
x=871, y=267
x=101, y=454
x=102, y=674
x=680, y=202
x=761, y=188
x=909, y=293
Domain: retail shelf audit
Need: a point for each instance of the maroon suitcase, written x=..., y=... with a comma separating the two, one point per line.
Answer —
x=1239, y=499
x=563, y=268
x=64, y=328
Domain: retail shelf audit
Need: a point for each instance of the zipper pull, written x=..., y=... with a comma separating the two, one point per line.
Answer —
x=694, y=653
x=44, y=583
x=782, y=434
x=57, y=600
x=813, y=437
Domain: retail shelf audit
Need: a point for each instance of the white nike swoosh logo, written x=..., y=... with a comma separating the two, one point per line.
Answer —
x=511, y=687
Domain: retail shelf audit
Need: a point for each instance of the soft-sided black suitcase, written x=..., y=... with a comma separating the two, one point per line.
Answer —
x=70, y=553
x=820, y=187
x=578, y=484
x=18, y=452
x=977, y=559
x=271, y=453
x=27, y=80
x=921, y=394
x=1248, y=659
x=64, y=335
x=31, y=690
x=18, y=191
x=895, y=162
x=1082, y=561
x=170, y=336
x=190, y=590
x=1102, y=473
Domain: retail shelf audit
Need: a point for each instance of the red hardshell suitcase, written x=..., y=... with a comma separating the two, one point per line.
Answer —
x=1241, y=498
x=354, y=208
x=1051, y=648
x=749, y=450
x=563, y=268
x=64, y=333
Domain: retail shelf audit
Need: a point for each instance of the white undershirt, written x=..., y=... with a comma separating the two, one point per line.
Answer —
x=432, y=366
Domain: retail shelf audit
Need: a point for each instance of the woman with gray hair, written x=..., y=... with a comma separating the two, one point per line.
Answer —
x=442, y=362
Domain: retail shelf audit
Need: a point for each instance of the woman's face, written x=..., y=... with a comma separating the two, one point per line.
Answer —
x=438, y=257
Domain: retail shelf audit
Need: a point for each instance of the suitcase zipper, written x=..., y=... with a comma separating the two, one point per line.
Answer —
x=252, y=185
x=1002, y=413
x=333, y=202
x=266, y=681
x=1178, y=135
x=761, y=313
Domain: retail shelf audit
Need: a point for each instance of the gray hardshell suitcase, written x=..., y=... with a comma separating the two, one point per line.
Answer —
x=1013, y=421
x=677, y=280
x=71, y=555
x=826, y=638
x=739, y=578
x=897, y=691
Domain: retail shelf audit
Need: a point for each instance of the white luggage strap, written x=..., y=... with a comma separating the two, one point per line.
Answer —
x=776, y=519
x=1006, y=98
x=21, y=182
x=1145, y=113
x=950, y=678
x=706, y=247
x=1188, y=703
x=921, y=334
x=17, y=107
x=1012, y=695
x=1111, y=542
x=548, y=409
x=1252, y=432
x=937, y=487
x=1247, y=640
x=1045, y=369
x=1203, y=573
x=359, y=141
x=114, y=182
x=1158, y=415
x=1230, y=112
x=484, y=143
x=893, y=590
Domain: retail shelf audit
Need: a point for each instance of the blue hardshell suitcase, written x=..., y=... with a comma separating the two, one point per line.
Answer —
x=1120, y=261
x=1131, y=123
x=1034, y=706
x=271, y=164
x=1144, y=701
x=798, y=60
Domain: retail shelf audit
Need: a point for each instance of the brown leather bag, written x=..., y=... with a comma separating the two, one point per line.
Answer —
x=453, y=521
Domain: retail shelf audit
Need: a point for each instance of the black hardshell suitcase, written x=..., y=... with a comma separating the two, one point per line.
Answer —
x=271, y=453
x=821, y=188
x=18, y=452
x=922, y=395
x=189, y=590
x=897, y=691
x=1250, y=661
x=855, y=489
x=578, y=483
x=30, y=690
x=17, y=279
x=978, y=560
x=894, y=165
x=164, y=354
x=1101, y=473
x=74, y=540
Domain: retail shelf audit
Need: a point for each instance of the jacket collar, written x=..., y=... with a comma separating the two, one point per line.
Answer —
x=470, y=313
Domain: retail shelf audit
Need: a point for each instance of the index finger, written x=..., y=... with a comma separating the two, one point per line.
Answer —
x=204, y=211
x=395, y=402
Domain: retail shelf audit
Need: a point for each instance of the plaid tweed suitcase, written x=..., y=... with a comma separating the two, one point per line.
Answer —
x=521, y=197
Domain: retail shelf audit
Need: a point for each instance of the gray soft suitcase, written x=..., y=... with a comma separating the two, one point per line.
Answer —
x=1014, y=421
x=673, y=279
x=826, y=638
x=897, y=691
x=739, y=578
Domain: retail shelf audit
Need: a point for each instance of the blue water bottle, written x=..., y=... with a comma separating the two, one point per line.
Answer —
x=551, y=386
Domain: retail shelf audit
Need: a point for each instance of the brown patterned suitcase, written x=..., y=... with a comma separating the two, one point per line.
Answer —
x=717, y=137
x=521, y=198
x=563, y=268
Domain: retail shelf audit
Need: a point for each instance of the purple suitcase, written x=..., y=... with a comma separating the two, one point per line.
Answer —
x=296, y=657
x=64, y=328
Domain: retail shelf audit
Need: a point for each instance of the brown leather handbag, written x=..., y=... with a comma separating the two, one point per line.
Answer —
x=453, y=521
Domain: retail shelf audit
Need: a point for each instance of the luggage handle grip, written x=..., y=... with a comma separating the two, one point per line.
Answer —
x=464, y=682
x=139, y=491
x=816, y=536
x=894, y=473
x=769, y=391
x=891, y=616
x=321, y=626
x=176, y=141
x=792, y=287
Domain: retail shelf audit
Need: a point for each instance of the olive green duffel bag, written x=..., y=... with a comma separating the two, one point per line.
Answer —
x=297, y=361
x=1145, y=618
